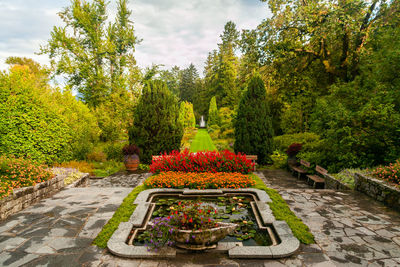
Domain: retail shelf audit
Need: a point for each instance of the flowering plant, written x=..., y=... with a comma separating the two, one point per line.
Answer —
x=206, y=161
x=203, y=180
x=294, y=149
x=160, y=233
x=390, y=173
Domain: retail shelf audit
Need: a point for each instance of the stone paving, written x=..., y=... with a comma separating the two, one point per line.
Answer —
x=350, y=228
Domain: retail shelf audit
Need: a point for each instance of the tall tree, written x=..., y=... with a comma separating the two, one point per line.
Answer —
x=94, y=57
x=253, y=125
x=187, y=86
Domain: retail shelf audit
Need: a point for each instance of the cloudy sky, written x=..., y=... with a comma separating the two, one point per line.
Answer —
x=174, y=32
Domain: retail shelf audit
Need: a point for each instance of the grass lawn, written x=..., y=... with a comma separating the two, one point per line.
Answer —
x=202, y=141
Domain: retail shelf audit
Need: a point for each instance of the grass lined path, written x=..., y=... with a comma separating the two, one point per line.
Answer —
x=202, y=141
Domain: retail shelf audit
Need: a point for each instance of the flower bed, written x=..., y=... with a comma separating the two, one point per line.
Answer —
x=390, y=173
x=205, y=180
x=208, y=161
x=18, y=173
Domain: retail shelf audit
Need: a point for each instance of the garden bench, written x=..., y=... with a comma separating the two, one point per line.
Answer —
x=299, y=169
x=253, y=159
x=316, y=178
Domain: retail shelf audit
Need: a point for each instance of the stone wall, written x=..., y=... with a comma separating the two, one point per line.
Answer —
x=378, y=190
x=332, y=183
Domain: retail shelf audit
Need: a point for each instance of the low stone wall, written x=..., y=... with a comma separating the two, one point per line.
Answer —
x=378, y=190
x=332, y=183
x=26, y=196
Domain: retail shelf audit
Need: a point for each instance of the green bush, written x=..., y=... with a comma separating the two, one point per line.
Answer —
x=282, y=142
x=279, y=159
x=156, y=128
x=213, y=114
x=186, y=115
x=114, y=151
x=253, y=124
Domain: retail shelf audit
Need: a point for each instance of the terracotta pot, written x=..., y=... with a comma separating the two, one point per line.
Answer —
x=131, y=162
x=202, y=239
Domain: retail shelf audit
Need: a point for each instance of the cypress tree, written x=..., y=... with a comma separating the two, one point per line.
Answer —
x=213, y=114
x=186, y=115
x=156, y=128
x=253, y=124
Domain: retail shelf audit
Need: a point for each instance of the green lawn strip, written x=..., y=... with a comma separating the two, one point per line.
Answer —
x=122, y=214
x=202, y=141
x=282, y=212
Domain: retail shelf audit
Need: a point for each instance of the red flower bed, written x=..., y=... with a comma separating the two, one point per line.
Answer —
x=195, y=180
x=208, y=161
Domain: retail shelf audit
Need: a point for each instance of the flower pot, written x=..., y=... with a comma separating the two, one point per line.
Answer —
x=131, y=162
x=202, y=239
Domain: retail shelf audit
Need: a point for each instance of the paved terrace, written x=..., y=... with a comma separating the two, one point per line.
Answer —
x=350, y=228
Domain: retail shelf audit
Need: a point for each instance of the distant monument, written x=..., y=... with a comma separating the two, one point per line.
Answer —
x=202, y=123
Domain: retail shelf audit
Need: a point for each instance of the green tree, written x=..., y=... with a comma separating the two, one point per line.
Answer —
x=156, y=128
x=213, y=114
x=187, y=85
x=186, y=115
x=96, y=58
x=253, y=124
x=172, y=79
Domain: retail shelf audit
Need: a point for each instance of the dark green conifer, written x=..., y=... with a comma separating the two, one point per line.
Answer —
x=156, y=128
x=253, y=124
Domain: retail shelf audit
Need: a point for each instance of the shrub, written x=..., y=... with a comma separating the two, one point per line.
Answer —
x=294, y=149
x=390, y=173
x=253, y=124
x=279, y=159
x=130, y=150
x=114, y=151
x=156, y=128
x=213, y=114
x=282, y=142
x=98, y=156
x=208, y=161
x=81, y=166
x=186, y=115
x=19, y=172
x=194, y=180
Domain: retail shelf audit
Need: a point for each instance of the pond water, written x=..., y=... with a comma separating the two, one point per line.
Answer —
x=236, y=209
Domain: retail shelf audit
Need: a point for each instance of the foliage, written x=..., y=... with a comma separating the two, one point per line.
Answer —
x=70, y=175
x=307, y=139
x=253, y=125
x=202, y=142
x=213, y=114
x=19, y=172
x=187, y=138
x=223, y=135
x=122, y=214
x=82, y=166
x=95, y=55
x=203, y=180
x=98, y=156
x=346, y=176
x=131, y=149
x=103, y=169
x=113, y=151
x=159, y=234
x=186, y=115
x=187, y=85
x=390, y=173
x=208, y=161
x=294, y=149
x=156, y=128
x=279, y=160
x=281, y=211
x=30, y=122
x=143, y=167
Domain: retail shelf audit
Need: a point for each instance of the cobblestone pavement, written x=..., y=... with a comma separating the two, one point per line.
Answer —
x=350, y=228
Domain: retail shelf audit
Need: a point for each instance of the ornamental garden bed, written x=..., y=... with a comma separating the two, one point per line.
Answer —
x=266, y=226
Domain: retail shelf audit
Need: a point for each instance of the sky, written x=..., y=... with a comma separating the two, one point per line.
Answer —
x=173, y=32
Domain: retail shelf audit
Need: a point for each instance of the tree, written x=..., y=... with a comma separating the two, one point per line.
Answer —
x=156, y=128
x=172, y=79
x=186, y=115
x=187, y=86
x=253, y=124
x=95, y=58
x=213, y=114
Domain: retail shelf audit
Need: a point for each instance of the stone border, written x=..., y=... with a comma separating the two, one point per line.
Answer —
x=81, y=182
x=378, y=190
x=288, y=243
x=332, y=183
x=26, y=196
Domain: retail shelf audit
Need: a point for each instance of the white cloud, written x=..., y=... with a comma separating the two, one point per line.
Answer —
x=174, y=32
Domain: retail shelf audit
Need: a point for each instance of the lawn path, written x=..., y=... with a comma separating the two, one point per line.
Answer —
x=202, y=141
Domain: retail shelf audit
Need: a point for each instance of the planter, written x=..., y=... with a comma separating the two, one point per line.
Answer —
x=131, y=162
x=202, y=239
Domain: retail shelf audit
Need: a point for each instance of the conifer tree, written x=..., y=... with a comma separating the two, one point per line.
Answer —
x=253, y=124
x=213, y=114
x=156, y=128
x=186, y=115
